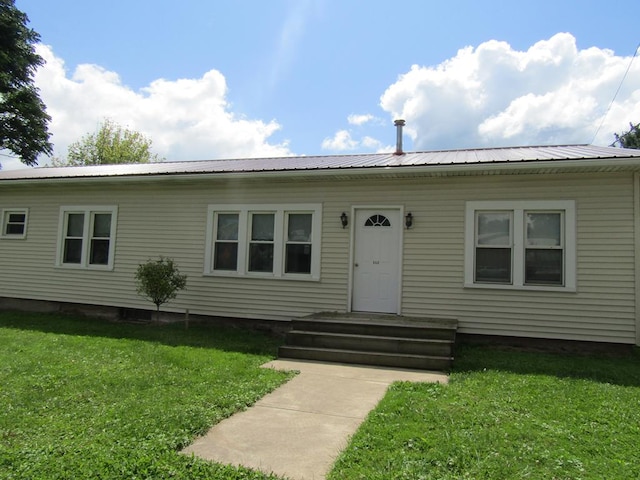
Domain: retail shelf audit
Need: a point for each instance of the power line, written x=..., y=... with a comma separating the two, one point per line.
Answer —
x=635, y=54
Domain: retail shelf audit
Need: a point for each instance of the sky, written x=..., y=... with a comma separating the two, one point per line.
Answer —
x=253, y=78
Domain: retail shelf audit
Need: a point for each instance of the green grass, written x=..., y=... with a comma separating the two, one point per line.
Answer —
x=506, y=415
x=89, y=399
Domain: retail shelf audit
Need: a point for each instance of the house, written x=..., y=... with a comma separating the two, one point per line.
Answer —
x=537, y=242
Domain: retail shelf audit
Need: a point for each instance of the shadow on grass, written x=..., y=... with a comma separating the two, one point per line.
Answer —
x=621, y=370
x=173, y=334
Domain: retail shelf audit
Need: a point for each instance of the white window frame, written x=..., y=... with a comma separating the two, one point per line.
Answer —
x=6, y=213
x=280, y=211
x=519, y=210
x=89, y=213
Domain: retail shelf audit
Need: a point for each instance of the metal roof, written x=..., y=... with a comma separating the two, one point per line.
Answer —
x=500, y=160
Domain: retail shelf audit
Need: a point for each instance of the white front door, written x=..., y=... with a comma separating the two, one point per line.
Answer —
x=376, y=267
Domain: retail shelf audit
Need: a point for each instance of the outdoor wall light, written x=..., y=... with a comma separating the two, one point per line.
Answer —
x=408, y=220
x=344, y=220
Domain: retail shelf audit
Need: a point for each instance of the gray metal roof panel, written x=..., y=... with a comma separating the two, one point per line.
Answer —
x=442, y=158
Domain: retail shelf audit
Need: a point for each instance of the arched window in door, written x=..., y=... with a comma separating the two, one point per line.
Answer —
x=377, y=221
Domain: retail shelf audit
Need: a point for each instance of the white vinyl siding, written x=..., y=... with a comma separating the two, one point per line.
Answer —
x=14, y=223
x=169, y=218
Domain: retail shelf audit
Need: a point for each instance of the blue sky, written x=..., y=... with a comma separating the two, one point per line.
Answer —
x=210, y=79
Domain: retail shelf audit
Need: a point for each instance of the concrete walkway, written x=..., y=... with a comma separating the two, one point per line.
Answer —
x=298, y=430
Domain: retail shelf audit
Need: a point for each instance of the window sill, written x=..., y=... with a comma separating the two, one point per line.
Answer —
x=290, y=277
x=98, y=268
x=532, y=288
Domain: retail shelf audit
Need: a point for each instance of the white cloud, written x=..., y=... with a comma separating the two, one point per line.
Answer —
x=360, y=119
x=371, y=143
x=341, y=141
x=187, y=119
x=494, y=95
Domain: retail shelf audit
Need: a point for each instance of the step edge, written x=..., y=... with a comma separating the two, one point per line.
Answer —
x=361, y=352
x=375, y=337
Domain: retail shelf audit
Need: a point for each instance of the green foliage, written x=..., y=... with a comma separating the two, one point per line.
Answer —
x=23, y=118
x=110, y=144
x=630, y=139
x=86, y=399
x=159, y=280
x=505, y=415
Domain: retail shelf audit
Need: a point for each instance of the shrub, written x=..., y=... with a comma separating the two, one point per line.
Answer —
x=159, y=281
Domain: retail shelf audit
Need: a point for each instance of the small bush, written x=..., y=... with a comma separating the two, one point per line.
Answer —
x=159, y=281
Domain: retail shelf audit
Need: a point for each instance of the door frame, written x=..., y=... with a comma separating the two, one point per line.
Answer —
x=352, y=251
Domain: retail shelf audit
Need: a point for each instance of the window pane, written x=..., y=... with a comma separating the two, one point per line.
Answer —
x=262, y=227
x=225, y=256
x=75, y=225
x=14, y=229
x=102, y=225
x=17, y=218
x=261, y=257
x=544, y=229
x=298, y=259
x=227, y=226
x=493, y=265
x=299, y=228
x=99, y=254
x=72, y=250
x=543, y=267
x=494, y=228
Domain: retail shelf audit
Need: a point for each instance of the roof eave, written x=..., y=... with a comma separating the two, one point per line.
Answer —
x=492, y=168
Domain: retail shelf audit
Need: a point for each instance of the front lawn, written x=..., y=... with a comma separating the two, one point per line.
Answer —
x=506, y=415
x=89, y=399
x=84, y=399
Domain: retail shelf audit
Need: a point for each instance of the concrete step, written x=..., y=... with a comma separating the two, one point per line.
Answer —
x=422, y=362
x=369, y=343
x=383, y=326
x=369, y=339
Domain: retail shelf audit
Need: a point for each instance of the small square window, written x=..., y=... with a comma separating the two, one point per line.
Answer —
x=14, y=223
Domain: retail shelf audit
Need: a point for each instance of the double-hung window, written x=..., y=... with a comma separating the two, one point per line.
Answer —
x=87, y=237
x=14, y=223
x=262, y=242
x=521, y=244
x=274, y=241
x=298, y=243
x=226, y=242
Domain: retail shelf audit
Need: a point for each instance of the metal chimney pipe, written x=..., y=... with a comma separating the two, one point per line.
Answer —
x=399, y=124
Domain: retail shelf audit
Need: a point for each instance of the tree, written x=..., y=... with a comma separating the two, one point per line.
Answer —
x=630, y=139
x=159, y=281
x=23, y=118
x=110, y=144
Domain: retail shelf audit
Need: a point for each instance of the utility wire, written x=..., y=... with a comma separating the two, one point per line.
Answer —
x=635, y=54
